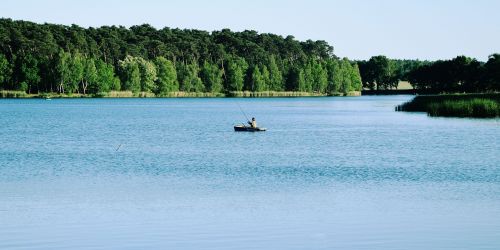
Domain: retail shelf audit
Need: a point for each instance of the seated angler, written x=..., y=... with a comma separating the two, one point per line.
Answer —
x=253, y=123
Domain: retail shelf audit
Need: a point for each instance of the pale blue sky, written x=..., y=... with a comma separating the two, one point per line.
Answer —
x=424, y=29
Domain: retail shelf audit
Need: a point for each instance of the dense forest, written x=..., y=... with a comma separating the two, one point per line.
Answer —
x=460, y=74
x=40, y=58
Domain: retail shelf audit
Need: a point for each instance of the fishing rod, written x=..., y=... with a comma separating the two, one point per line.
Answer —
x=242, y=111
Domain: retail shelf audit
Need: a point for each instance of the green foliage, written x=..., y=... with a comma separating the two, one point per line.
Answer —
x=5, y=71
x=266, y=79
x=380, y=72
x=320, y=77
x=89, y=74
x=275, y=75
x=236, y=74
x=138, y=74
x=460, y=74
x=167, y=77
x=465, y=105
x=76, y=68
x=334, y=76
x=356, y=82
x=212, y=77
x=295, y=79
x=457, y=75
x=345, y=76
x=30, y=73
x=258, y=83
x=491, y=77
x=63, y=70
x=105, y=80
x=131, y=74
x=481, y=108
x=49, y=57
x=71, y=59
x=306, y=86
x=148, y=75
x=188, y=76
x=13, y=94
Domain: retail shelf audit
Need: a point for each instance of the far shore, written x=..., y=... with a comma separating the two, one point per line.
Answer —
x=179, y=94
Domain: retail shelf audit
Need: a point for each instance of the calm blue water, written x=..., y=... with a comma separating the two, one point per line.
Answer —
x=346, y=173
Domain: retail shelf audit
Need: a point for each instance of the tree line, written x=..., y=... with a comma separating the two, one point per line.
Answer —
x=460, y=74
x=70, y=59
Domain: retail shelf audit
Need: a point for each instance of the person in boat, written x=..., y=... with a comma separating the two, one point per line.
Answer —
x=253, y=123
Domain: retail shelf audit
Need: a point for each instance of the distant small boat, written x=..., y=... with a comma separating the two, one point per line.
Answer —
x=243, y=128
x=48, y=99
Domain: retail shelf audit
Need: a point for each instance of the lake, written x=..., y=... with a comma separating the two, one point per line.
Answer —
x=330, y=173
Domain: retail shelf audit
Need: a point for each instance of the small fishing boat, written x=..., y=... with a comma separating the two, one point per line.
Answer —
x=243, y=128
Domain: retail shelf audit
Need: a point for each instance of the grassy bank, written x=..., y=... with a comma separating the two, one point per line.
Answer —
x=178, y=94
x=460, y=105
x=13, y=94
x=271, y=94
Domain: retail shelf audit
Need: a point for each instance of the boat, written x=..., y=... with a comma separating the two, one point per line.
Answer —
x=243, y=128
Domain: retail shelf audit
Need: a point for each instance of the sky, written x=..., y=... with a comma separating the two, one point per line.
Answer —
x=358, y=29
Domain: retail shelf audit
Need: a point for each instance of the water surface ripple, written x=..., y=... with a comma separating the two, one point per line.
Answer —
x=345, y=173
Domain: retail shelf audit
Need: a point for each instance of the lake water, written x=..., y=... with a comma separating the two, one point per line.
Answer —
x=330, y=173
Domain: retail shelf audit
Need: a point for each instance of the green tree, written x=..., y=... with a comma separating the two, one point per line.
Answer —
x=275, y=75
x=237, y=68
x=167, y=76
x=319, y=77
x=52, y=53
x=30, y=73
x=345, y=76
x=131, y=74
x=301, y=81
x=148, y=74
x=491, y=77
x=105, y=78
x=89, y=73
x=308, y=78
x=266, y=78
x=76, y=68
x=356, y=82
x=334, y=76
x=5, y=71
x=257, y=83
x=212, y=77
x=381, y=71
x=295, y=79
x=63, y=70
x=190, y=81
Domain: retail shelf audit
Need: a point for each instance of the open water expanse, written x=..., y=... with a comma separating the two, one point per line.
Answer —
x=330, y=173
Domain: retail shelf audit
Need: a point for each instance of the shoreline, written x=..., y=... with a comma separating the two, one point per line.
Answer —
x=6, y=94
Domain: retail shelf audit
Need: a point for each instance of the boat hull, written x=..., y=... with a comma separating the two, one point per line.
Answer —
x=241, y=128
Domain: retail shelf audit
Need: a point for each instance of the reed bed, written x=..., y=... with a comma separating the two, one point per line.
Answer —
x=177, y=94
x=481, y=108
x=272, y=94
x=116, y=94
x=181, y=94
x=13, y=94
x=463, y=105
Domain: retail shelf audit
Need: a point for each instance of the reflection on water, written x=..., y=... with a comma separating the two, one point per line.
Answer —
x=171, y=173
